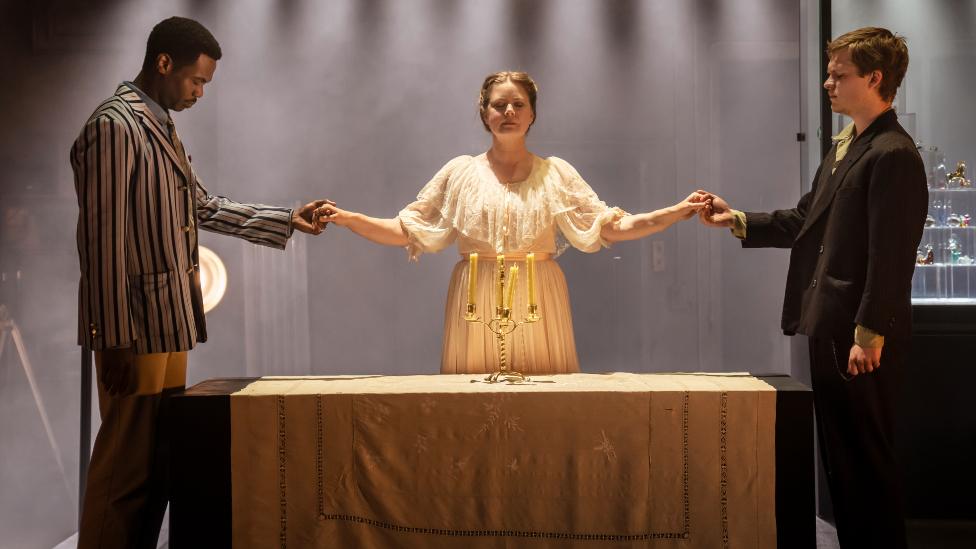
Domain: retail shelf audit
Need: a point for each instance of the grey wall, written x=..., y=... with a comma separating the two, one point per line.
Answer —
x=362, y=101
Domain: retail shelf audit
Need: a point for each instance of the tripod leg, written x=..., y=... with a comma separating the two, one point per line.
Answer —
x=84, y=437
x=39, y=402
x=3, y=339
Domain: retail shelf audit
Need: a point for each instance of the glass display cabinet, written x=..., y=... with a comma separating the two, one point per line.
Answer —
x=945, y=270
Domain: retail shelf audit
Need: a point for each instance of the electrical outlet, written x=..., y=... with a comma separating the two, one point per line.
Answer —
x=657, y=256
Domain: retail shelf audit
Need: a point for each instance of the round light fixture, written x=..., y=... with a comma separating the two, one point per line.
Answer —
x=213, y=278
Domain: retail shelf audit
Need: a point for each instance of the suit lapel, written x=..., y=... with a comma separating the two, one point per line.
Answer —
x=149, y=121
x=832, y=182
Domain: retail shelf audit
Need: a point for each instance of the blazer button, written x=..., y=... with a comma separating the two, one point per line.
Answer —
x=814, y=283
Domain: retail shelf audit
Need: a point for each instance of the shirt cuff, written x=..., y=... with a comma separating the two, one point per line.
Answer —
x=738, y=224
x=291, y=227
x=867, y=338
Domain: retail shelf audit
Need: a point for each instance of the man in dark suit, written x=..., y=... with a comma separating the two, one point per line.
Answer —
x=140, y=303
x=853, y=241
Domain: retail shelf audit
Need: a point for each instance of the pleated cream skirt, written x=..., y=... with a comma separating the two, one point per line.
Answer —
x=543, y=347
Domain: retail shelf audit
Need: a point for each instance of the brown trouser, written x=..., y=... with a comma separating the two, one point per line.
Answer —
x=128, y=479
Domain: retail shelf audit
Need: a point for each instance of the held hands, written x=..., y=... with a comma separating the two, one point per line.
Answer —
x=695, y=203
x=863, y=360
x=716, y=213
x=304, y=219
x=330, y=213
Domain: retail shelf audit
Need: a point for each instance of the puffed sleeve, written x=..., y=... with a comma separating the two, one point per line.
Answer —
x=427, y=220
x=579, y=212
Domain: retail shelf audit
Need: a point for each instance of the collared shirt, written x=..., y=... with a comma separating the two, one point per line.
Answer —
x=161, y=114
x=843, y=141
x=863, y=337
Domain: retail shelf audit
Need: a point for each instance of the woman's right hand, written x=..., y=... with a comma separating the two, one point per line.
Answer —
x=330, y=213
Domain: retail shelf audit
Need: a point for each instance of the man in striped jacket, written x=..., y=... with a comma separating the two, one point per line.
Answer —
x=140, y=304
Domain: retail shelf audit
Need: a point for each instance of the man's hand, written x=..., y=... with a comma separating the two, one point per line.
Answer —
x=716, y=213
x=303, y=219
x=863, y=360
x=117, y=372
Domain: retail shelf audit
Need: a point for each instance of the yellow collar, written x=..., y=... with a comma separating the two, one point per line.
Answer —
x=845, y=135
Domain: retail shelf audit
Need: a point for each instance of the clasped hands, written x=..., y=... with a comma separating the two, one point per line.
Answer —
x=330, y=213
x=313, y=217
x=307, y=219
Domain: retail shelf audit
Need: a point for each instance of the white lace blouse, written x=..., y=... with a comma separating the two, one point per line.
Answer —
x=466, y=202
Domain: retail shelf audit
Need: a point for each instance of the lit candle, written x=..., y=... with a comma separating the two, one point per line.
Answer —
x=512, y=277
x=530, y=266
x=472, y=276
x=500, y=282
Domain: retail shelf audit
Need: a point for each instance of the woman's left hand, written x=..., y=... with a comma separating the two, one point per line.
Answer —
x=690, y=206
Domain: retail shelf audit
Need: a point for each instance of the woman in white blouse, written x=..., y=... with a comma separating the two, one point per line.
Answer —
x=508, y=201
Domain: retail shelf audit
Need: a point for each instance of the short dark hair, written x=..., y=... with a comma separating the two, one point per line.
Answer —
x=875, y=49
x=182, y=39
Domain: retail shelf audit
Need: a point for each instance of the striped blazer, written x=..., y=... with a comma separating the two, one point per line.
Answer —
x=139, y=208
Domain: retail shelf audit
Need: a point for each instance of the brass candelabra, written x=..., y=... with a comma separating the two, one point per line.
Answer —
x=504, y=321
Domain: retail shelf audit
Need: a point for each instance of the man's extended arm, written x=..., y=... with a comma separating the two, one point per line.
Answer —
x=776, y=229
x=258, y=223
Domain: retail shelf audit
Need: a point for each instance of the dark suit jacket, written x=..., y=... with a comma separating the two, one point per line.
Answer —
x=853, y=237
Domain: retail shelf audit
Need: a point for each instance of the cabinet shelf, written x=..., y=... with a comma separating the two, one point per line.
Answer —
x=943, y=301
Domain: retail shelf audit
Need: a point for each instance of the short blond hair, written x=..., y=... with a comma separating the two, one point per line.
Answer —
x=516, y=77
x=875, y=49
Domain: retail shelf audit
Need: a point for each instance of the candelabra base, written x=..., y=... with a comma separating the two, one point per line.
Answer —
x=506, y=376
x=502, y=325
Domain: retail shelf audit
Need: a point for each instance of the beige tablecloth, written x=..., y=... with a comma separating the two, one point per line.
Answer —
x=576, y=460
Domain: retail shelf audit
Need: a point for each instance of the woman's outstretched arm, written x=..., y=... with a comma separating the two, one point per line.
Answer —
x=388, y=232
x=632, y=227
